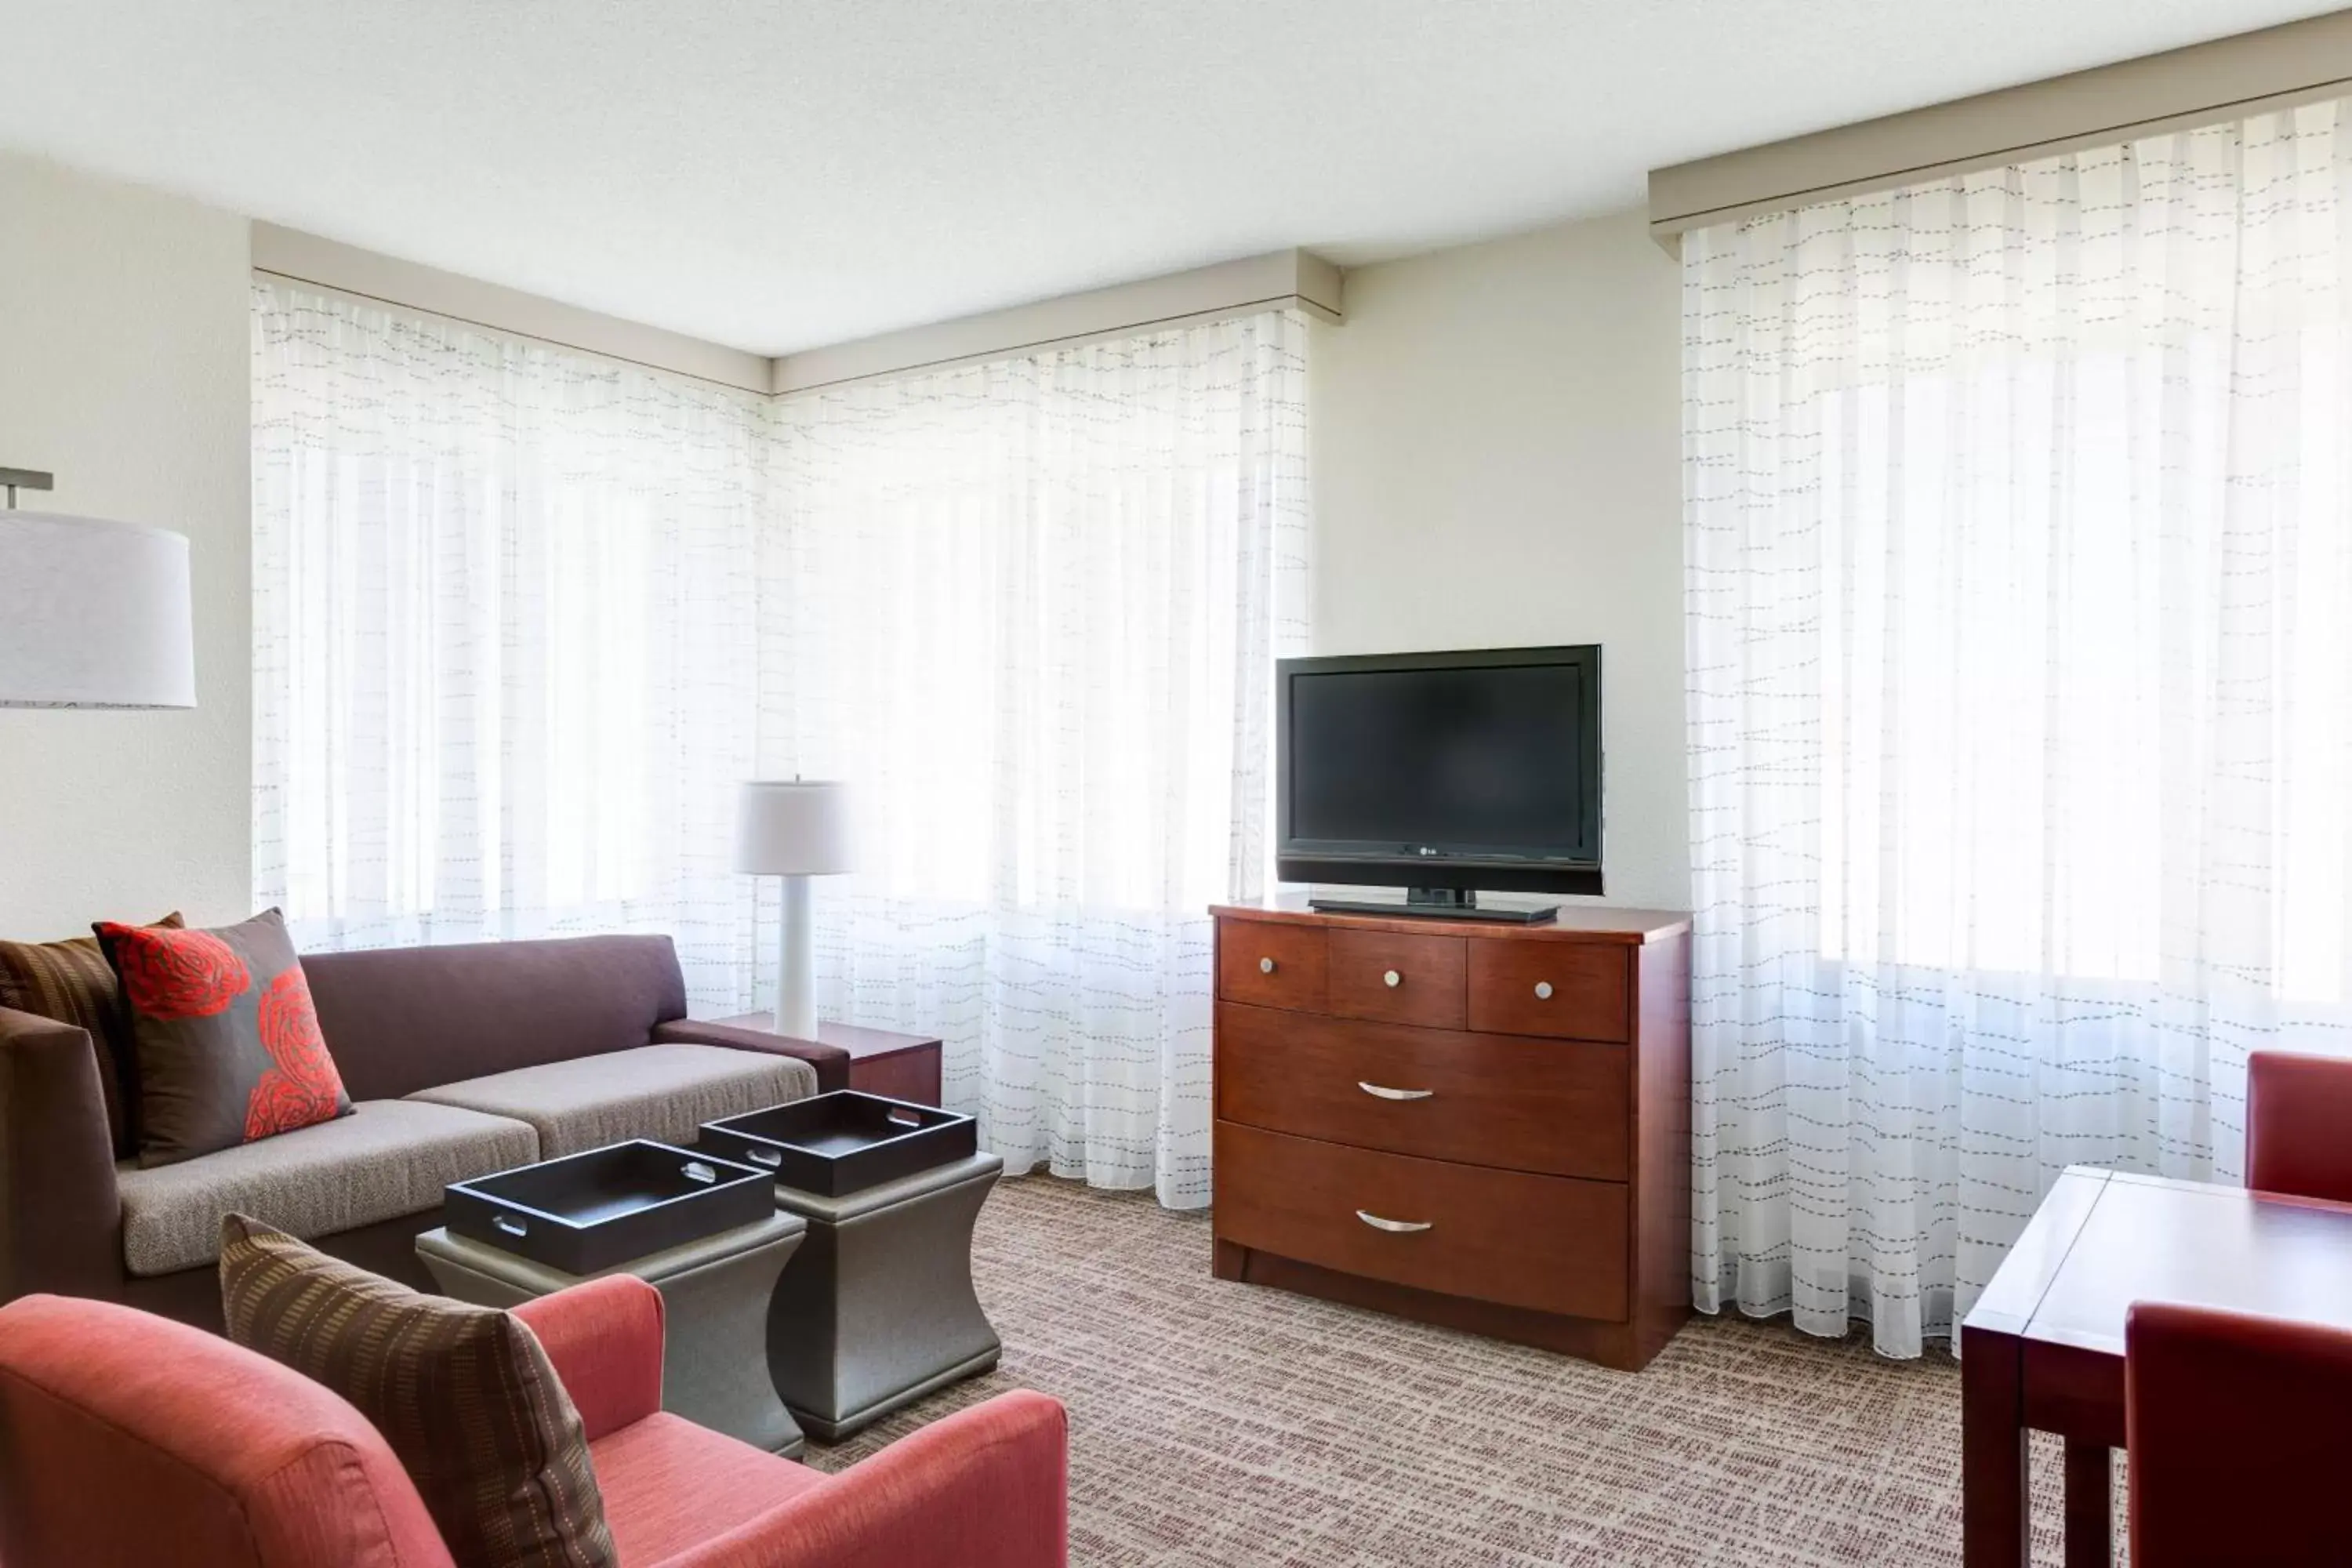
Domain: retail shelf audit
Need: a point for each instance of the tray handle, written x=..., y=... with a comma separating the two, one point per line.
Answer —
x=508, y=1224
x=903, y=1117
x=696, y=1171
x=771, y=1158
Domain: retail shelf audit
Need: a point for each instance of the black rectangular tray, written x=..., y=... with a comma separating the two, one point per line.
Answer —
x=588, y=1212
x=843, y=1142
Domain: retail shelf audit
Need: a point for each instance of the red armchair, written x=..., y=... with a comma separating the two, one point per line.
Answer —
x=2299, y=1125
x=127, y=1438
x=2234, y=1425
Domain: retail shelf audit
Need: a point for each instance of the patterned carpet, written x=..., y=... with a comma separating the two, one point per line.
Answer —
x=1215, y=1424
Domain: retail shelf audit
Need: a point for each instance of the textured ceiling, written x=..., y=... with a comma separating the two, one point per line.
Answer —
x=777, y=176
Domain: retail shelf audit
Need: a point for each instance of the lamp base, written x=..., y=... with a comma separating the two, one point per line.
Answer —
x=795, y=963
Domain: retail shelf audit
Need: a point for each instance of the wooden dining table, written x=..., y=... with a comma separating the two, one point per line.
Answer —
x=2042, y=1350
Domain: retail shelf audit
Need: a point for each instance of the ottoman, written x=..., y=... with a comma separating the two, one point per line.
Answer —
x=716, y=1295
x=877, y=1309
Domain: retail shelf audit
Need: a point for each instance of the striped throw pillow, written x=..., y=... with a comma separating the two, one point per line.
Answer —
x=71, y=982
x=465, y=1395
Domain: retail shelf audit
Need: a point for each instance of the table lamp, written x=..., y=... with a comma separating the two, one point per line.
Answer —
x=795, y=830
x=92, y=613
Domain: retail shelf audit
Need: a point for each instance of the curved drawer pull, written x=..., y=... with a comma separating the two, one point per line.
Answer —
x=1543, y=990
x=1394, y=1226
x=1381, y=1092
x=511, y=1227
x=1265, y=966
x=1393, y=979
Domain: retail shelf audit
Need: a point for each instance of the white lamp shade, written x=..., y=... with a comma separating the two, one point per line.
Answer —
x=800, y=828
x=94, y=615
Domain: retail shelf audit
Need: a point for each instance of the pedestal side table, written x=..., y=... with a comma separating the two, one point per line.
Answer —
x=715, y=1297
x=878, y=1308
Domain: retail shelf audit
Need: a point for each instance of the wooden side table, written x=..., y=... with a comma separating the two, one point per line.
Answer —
x=881, y=1062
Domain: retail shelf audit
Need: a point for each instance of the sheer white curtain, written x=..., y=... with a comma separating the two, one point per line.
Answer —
x=2018, y=557
x=1031, y=609
x=523, y=619
x=505, y=637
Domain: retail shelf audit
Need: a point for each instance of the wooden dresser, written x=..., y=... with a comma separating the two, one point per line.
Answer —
x=1481, y=1125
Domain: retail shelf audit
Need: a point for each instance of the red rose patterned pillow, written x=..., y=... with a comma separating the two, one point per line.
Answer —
x=225, y=1043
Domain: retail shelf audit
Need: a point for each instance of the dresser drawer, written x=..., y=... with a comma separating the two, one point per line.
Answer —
x=1550, y=1243
x=1554, y=1106
x=1397, y=979
x=1578, y=991
x=1270, y=965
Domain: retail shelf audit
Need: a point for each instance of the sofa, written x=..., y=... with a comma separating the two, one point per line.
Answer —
x=235, y=1460
x=460, y=1060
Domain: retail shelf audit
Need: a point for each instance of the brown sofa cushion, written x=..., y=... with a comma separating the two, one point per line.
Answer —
x=227, y=1041
x=69, y=981
x=404, y=1018
x=464, y=1395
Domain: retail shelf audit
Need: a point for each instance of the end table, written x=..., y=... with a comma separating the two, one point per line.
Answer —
x=881, y=1062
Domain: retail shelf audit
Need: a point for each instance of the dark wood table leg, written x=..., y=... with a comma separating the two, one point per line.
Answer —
x=2090, y=1505
x=1993, y=1457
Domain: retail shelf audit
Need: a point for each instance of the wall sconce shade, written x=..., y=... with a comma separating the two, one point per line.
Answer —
x=94, y=615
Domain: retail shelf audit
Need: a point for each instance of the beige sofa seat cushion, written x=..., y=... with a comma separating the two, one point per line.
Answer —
x=661, y=1092
x=386, y=1159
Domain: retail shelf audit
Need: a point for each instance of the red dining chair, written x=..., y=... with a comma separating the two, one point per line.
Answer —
x=2235, y=1427
x=2299, y=1125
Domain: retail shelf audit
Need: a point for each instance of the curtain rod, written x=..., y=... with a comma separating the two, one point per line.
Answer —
x=2203, y=84
x=501, y=330
x=1280, y=279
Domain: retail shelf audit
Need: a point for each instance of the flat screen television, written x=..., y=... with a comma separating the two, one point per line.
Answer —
x=1443, y=773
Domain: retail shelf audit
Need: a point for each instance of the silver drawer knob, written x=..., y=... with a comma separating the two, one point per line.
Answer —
x=1394, y=979
x=1265, y=966
x=1543, y=990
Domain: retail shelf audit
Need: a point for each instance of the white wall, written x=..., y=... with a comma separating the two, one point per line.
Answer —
x=1496, y=449
x=123, y=369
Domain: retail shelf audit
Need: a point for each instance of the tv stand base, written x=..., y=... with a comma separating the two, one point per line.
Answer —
x=1440, y=904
